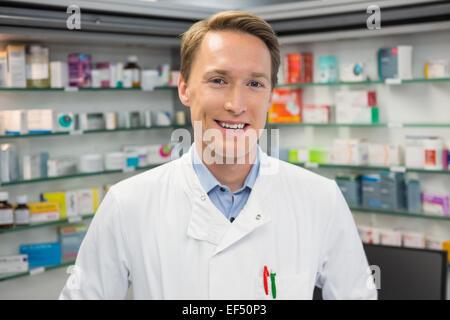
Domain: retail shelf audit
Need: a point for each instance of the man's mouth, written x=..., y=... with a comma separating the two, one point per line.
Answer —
x=236, y=125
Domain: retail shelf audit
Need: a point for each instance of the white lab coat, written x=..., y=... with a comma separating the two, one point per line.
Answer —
x=159, y=231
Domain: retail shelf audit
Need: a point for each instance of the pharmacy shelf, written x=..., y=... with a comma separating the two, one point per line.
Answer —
x=77, y=175
x=362, y=83
x=46, y=224
x=362, y=125
x=80, y=132
x=76, y=89
x=368, y=168
x=398, y=213
x=35, y=271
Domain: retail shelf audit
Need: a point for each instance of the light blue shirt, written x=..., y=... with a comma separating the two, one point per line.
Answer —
x=220, y=194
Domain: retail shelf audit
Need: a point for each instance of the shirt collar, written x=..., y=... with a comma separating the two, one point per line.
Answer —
x=209, y=182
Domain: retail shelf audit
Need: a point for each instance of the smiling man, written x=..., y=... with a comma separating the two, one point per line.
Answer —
x=225, y=221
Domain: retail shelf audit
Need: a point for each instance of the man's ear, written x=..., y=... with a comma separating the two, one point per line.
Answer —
x=183, y=91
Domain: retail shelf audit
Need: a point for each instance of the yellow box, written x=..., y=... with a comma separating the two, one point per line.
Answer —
x=43, y=211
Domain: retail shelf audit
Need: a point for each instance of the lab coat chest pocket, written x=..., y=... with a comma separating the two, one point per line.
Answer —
x=288, y=287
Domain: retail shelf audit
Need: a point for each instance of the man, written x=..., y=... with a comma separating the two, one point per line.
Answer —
x=225, y=221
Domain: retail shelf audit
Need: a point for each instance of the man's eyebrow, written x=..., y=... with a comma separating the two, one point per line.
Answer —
x=225, y=72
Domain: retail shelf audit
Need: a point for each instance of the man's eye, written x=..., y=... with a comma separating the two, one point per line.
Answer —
x=217, y=81
x=255, y=84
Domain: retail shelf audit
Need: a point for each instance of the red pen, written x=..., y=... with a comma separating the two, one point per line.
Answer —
x=265, y=276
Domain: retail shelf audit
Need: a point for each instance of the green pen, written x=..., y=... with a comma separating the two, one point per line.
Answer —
x=274, y=287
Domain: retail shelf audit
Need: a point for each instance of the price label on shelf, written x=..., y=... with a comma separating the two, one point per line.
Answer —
x=76, y=132
x=129, y=169
x=398, y=169
x=36, y=271
x=395, y=125
x=74, y=219
x=71, y=89
x=393, y=81
x=311, y=165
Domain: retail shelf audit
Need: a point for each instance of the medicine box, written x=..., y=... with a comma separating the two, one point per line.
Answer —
x=384, y=155
x=79, y=66
x=71, y=238
x=9, y=162
x=350, y=187
x=370, y=187
x=413, y=240
x=321, y=156
x=395, y=62
x=328, y=69
x=286, y=106
x=40, y=121
x=42, y=254
x=390, y=237
x=357, y=115
x=298, y=67
x=3, y=69
x=316, y=114
x=14, y=264
x=43, y=211
x=413, y=196
x=158, y=154
x=34, y=166
x=434, y=204
x=349, y=152
x=16, y=66
x=356, y=98
x=392, y=190
x=369, y=234
x=59, y=74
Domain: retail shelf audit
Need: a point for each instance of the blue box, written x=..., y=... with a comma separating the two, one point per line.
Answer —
x=71, y=238
x=328, y=69
x=371, y=191
x=392, y=190
x=351, y=189
x=414, y=203
x=42, y=254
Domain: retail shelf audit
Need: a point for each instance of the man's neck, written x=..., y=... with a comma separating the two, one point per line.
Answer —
x=231, y=175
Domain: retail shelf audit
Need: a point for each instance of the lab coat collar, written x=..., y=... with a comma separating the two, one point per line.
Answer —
x=207, y=223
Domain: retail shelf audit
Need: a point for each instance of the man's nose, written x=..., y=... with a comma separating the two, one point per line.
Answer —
x=236, y=102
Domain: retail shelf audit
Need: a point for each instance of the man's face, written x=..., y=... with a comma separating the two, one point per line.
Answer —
x=229, y=86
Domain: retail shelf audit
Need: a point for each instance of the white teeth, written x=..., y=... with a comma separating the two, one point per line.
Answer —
x=232, y=126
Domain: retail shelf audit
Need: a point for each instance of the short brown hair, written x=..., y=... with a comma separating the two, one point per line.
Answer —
x=234, y=21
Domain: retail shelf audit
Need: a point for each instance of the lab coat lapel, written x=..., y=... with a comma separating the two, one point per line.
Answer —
x=251, y=218
x=207, y=223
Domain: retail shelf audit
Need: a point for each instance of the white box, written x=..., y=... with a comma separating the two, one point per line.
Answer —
x=369, y=235
x=356, y=98
x=414, y=152
x=14, y=264
x=16, y=66
x=348, y=114
x=384, y=155
x=2, y=123
x=434, y=243
x=413, y=240
x=350, y=152
x=40, y=121
x=3, y=69
x=15, y=121
x=316, y=114
x=59, y=74
x=390, y=237
x=404, y=61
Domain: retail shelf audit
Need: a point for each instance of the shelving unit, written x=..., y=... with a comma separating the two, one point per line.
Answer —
x=37, y=271
x=47, y=224
x=363, y=83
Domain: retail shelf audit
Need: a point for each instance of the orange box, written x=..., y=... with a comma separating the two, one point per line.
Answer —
x=286, y=106
x=298, y=67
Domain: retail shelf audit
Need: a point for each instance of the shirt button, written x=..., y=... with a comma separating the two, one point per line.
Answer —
x=203, y=197
x=258, y=217
x=222, y=189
